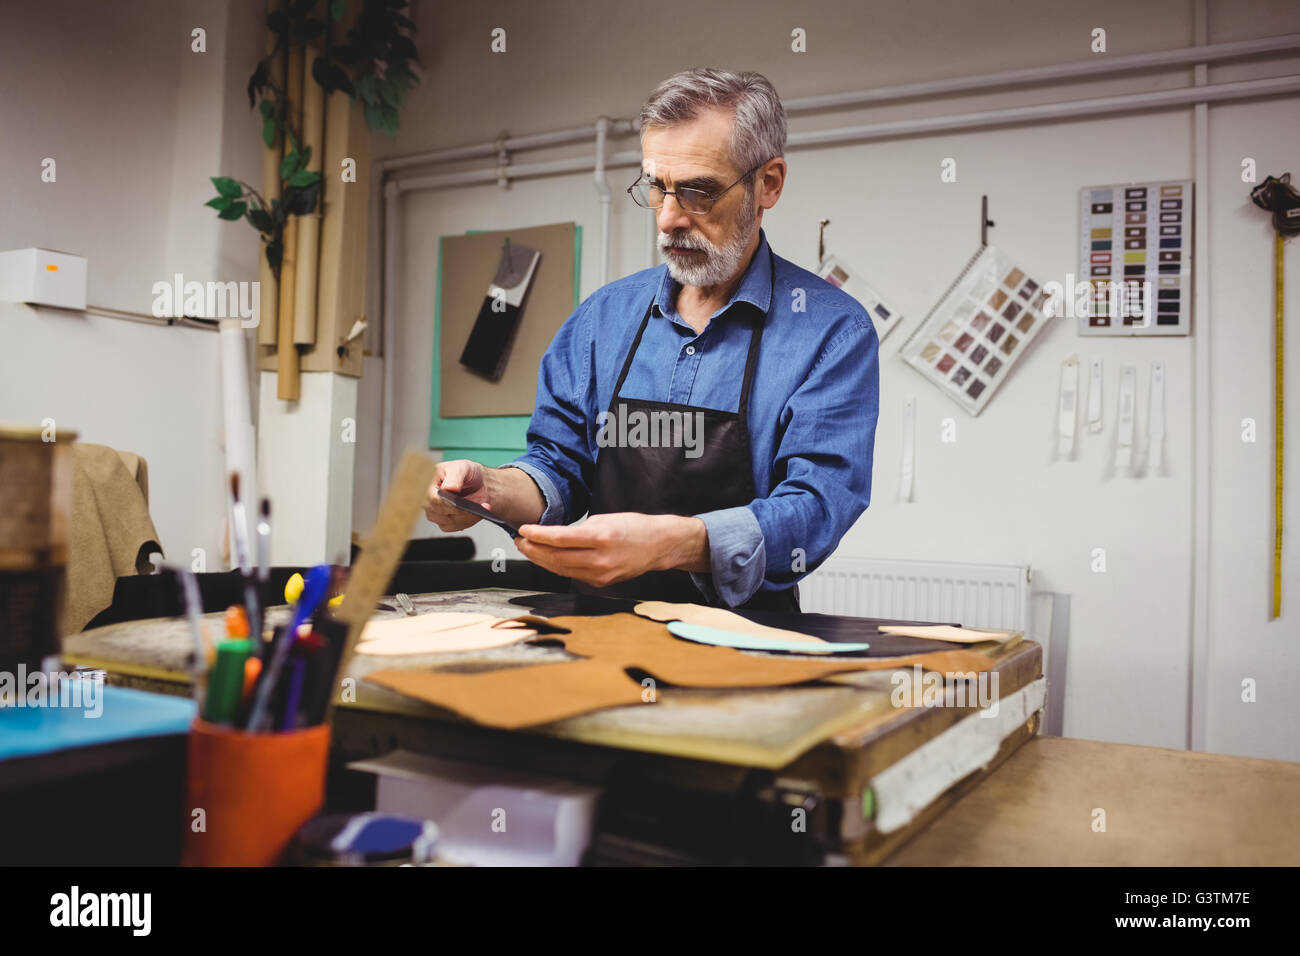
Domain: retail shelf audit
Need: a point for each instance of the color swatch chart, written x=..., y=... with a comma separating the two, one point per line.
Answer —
x=981, y=327
x=883, y=315
x=1136, y=252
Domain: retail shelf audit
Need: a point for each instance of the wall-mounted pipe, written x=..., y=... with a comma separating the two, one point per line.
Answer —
x=1162, y=99
x=602, y=191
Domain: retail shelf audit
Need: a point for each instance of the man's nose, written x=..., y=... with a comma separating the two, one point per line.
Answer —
x=671, y=216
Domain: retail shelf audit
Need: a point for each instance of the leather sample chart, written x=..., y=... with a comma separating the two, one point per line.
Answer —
x=611, y=646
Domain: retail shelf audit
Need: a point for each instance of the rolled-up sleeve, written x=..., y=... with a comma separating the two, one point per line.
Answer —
x=825, y=455
x=559, y=458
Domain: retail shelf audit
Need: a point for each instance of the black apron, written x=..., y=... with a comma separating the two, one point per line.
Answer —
x=663, y=480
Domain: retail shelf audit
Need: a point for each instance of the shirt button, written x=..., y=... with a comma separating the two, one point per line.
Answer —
x=690, y=350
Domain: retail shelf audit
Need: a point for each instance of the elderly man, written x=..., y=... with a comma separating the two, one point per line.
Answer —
x=714, y=416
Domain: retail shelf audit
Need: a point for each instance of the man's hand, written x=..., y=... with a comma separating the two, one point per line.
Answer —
x=465, y=478
x=508, y=492
x=609, y=548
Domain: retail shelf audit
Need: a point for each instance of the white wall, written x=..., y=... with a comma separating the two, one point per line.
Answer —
x=136, y=123
x=996, y=494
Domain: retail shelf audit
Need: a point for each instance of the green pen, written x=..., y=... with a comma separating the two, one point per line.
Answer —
x=226, y=684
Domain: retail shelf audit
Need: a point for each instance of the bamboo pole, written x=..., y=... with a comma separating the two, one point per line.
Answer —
x=268, y=326
x=288, y=373
x=309, y=226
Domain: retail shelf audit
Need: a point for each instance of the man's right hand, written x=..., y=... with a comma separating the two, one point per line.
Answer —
x=464, y=477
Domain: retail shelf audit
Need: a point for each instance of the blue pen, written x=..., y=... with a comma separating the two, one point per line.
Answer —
x=296, y=671
x=314, y=590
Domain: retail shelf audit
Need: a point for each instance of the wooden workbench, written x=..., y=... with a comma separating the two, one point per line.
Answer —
x=1033, y=804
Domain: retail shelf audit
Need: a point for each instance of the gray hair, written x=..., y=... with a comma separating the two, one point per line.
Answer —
x=758, y=131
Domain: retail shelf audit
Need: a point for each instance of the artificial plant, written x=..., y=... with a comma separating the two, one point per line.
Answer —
x=372, y=65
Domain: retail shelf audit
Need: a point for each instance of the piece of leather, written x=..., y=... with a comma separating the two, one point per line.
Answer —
x=612, y=645
x=635, y=642
x=440, y=633
x=520, y=696
x=945, y=632
x=829, y=627
x=719, y=618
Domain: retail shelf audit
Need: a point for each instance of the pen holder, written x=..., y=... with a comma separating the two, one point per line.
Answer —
x=253, y=790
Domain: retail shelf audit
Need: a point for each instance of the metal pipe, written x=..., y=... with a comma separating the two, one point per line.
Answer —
x=602, y=191
x=1097, y=66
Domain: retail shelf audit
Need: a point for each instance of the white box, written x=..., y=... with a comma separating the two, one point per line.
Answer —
x=43, y=277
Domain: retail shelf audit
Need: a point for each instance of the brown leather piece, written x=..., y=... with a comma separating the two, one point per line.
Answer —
x=633, y=641
x=517, y=697
x=540, y=693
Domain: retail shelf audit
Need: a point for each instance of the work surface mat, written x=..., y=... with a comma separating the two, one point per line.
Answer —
x=760, y=728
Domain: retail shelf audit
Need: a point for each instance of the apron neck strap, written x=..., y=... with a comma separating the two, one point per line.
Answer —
x=751, y=359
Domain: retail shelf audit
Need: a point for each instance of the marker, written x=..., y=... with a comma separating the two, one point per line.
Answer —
x=313, y=593
x=227, y=681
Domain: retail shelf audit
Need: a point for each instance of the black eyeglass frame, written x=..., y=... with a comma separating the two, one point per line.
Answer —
x=712, y=200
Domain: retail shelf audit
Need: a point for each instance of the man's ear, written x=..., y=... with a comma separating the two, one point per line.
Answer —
x=771, y=180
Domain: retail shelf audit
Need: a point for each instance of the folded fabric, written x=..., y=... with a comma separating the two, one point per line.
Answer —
x=753, y=642
x=110, y=533
x=520, y=696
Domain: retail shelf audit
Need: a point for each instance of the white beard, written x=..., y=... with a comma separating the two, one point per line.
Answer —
x=720, y=263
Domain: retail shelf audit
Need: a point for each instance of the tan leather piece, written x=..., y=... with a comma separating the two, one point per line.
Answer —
x=541, y=693
x=647, y=645
x=519, y=696
x=720, y=618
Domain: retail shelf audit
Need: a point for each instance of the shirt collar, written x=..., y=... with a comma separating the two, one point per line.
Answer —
x=755, y=286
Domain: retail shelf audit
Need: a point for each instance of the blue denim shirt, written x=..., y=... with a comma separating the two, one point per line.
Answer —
x=812, y=414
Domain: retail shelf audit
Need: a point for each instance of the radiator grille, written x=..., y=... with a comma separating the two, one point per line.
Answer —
x=974, y=595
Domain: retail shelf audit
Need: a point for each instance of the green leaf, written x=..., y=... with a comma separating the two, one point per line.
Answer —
x=227, y=187
x=336, y=10
x=368, y=90
x=236, y=211
x=303, y=177
x=221, y=202
x=289, y=165
x=261, y=220
x=277, y=22
x=390, y=121
x=267, y=108
x=374, y=118
x=268, y=131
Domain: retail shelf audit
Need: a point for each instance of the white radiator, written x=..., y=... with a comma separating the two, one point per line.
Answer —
x=974, y=595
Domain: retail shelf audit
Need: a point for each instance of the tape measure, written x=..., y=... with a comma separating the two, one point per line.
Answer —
x=1279, y=407
x=1277, y=195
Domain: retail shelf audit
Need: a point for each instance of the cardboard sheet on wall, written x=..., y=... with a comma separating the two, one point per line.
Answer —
x=468, y=265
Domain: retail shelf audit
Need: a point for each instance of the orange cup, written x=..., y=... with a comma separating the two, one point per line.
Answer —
x=254, y=791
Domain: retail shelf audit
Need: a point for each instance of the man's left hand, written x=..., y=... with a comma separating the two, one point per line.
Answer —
x=609, y=548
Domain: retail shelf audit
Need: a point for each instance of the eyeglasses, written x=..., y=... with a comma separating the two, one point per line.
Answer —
x=694, y=201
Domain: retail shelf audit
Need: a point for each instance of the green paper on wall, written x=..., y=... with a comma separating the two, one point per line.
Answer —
x=450, y=427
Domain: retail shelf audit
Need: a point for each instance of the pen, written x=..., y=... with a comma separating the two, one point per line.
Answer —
x=193, y=608
x=239, y=527
x=314, y=590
